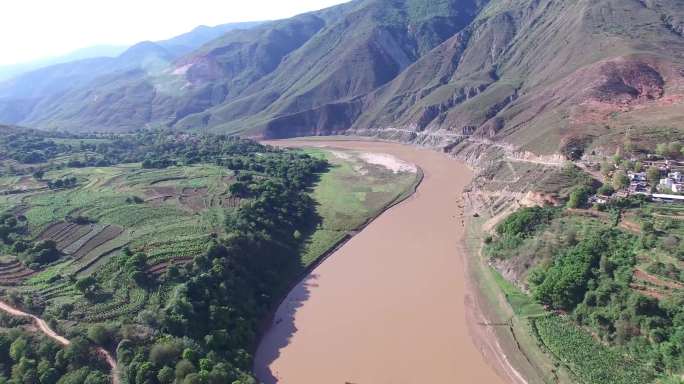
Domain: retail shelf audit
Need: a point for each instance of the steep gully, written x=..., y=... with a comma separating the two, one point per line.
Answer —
x=393, y=304
x=49, y=332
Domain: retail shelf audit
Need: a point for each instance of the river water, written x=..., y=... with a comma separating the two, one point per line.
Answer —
x=388, y=307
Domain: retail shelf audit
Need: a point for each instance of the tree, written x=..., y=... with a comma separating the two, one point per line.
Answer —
x=18, y=349
x=166, y=375
x=96, y=377
x=87, y=285
x=620, y=180
x=184, y=368
x=77, y=352
x=99, y=334
x=190, y=354
x=192, y=378
x=628, y=145
x=674, y=149
x=38, y=175
x=145, y=373
x=606, y=168
x=661, y=149
x=50, y=376
x=578, y=197
x=627, y=165
x=219, y=374
x=147, y=164
x=647, y=226
x=605, y=190
x=563, y=284
x=165, y=353
x=653, y=175
x=238, y=189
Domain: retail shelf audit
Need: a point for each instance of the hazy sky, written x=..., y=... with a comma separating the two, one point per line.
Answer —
x=31, y=29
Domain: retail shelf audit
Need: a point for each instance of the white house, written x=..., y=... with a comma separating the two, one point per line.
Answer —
x=667, y=198
x=673, y=182
x=666, y=183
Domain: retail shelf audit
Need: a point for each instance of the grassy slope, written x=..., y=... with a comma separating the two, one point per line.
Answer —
x=348, y=199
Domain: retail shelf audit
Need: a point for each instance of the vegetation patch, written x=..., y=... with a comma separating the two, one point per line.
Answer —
x=352, y=192
x=616, y=283
x=591, y=362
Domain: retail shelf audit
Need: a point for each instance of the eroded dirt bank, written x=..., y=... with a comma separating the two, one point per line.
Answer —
x=389, y=306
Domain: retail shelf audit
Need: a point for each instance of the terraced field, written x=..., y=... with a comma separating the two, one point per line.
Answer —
x=13, y=273
x=168, y=214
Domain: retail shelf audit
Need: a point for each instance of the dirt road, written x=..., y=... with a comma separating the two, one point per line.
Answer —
x=49, y=332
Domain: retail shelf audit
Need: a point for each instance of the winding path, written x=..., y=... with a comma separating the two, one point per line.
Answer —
x=49, y=332
x=392, y=305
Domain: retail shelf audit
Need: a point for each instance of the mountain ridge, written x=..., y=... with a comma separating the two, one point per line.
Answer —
x=536, y=74
x=19, y=96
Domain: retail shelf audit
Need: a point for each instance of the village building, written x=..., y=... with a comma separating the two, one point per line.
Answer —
x=673, y=182
x=637, y=176
x=667, y=198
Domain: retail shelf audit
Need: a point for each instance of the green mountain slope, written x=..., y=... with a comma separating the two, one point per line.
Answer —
x=10, y=71
x=537, y=75
x=29, y=93
x=278, y=68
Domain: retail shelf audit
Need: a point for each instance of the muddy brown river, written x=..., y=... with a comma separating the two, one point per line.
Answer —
x=389, y=306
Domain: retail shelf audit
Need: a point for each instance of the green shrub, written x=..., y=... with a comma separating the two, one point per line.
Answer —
x=525, y=221
x=578, y=197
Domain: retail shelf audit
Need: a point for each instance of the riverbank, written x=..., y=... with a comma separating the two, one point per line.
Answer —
x=389, y=306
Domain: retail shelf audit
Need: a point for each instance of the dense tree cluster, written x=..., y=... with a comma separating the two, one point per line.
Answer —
x=588, y=272
x=517, y=227
x=12, y=228
x=672, y=149
x=26, y=358
x=218, y=300
x=152, y=148
x=66, y=182
x=28, y=149
x=40, y=253
x=209, y=322
x=14, y=239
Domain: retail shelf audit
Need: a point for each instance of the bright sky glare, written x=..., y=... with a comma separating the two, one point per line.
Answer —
x=33, y=29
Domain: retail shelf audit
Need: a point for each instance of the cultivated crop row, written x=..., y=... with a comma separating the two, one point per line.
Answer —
x=589, y=360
